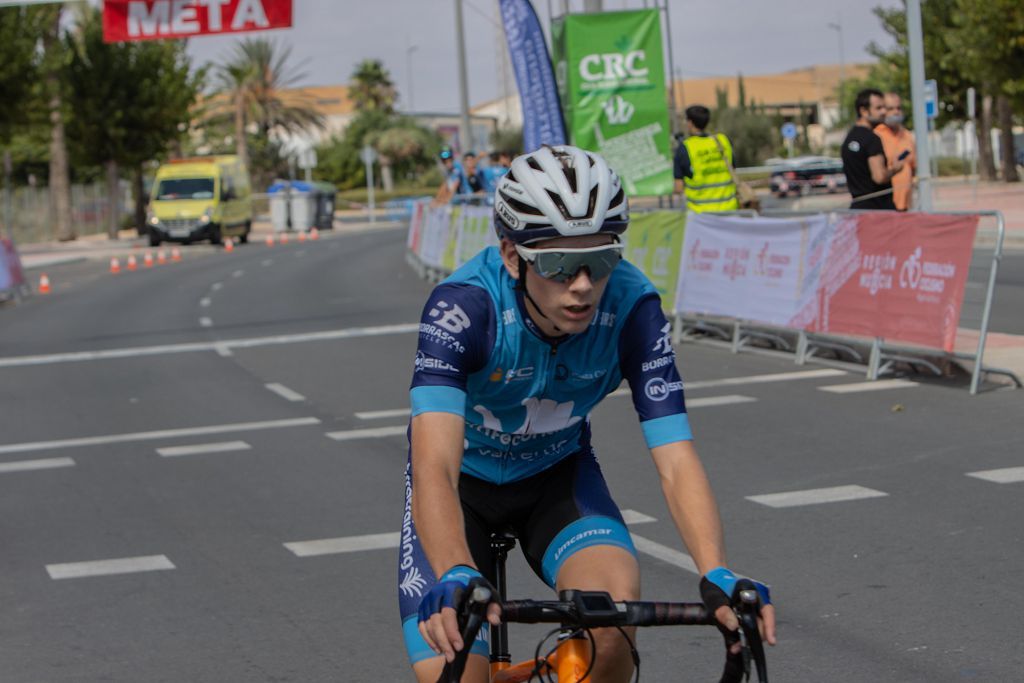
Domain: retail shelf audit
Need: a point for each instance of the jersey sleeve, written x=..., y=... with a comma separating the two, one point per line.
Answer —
x=873, y=146
x=456, y=335
x=648, y=363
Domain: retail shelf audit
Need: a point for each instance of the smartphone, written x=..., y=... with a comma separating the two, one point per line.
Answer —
x=903, y=155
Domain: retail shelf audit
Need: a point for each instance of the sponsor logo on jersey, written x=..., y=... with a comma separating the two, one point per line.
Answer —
x=664, y=343
x=450, y=316
x=658, y=389
x=647, y=366
x=589, y=533
x=437, y=335
x=519, y=374
x=413, y=581
x=424, y=362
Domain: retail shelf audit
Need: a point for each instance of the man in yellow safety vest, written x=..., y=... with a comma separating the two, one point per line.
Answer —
x=701, y=165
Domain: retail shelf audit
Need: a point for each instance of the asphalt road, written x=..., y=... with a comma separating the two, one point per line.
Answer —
x=267, y=352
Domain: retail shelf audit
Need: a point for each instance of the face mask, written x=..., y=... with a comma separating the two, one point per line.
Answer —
x=894, y=120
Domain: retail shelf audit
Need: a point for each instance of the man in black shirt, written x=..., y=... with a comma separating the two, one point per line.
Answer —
x=867, y=170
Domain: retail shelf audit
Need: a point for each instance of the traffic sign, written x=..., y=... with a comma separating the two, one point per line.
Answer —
x=931, y=98
x=368, y=155
x=788, y=131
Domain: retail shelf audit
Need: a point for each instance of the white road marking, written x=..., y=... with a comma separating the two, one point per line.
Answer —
x=374, y=433
x=665, y=554
x=124, y=565
x=160, y=434
x=28, y=465
x=378, y=414
x=238, y=273
x=877, y=385
x=834, y=494
x=354, y=544
x=196, y=449
x=216, y=286
x=205, y=322
x=762, y=379
x=267, y=262
x=284, y=392
x=205, y=302
x=1007, y=475
x=252, y=342
x=300, y=253
x=711, y=401
x=223, y=351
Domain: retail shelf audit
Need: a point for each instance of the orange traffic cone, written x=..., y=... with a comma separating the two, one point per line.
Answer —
x=161, y=257
x=270, y=240
x=314, y=234
x=284, y=238
x=302, y=236
x=115, y=266
x=175, y=254
x=44, y=284
x=229, y=245
x=132, y=263
x=147, y=260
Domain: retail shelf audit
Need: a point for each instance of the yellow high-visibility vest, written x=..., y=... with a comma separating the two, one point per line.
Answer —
x=711, y=188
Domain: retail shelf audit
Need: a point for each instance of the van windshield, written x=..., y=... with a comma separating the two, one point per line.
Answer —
x=185, y=188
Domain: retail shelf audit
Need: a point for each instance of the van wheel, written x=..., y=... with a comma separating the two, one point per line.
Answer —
x=215, y=237
x=244, y=237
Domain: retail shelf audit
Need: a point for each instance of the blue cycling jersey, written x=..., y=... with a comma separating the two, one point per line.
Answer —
x=526, y=398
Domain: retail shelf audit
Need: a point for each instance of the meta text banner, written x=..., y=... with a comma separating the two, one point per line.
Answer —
x=127, y=20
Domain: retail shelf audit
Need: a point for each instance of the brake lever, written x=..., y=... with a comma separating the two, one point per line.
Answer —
x=472, y=617
x=753, y=647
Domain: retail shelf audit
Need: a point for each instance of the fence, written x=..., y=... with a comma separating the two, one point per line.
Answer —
x=31, y=214
x=882, y=286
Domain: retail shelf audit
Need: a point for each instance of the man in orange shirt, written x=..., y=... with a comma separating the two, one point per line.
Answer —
x=895, y=141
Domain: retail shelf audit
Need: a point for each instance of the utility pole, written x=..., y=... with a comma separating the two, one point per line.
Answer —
x=409, y=49
x=838, y=28
x=465, y=132
x=915, y=44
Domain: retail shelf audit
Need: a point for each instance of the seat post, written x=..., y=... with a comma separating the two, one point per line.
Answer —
x=501, y=544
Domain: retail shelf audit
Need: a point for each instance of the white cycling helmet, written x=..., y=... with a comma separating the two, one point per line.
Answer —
x=559, y=191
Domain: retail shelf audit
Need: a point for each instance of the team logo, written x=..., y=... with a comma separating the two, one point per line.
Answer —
x=450, y=316
x=854, y=146
x=910, y=272
x=658, y=389
x=413, y=582
x=664, y=343
x=618, y=110
x=511, y=220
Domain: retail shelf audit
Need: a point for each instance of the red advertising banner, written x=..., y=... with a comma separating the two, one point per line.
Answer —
x=897, y=276
x=125, y=20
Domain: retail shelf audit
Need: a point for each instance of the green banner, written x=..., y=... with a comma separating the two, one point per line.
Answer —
x=654, y=244
x=611, y=79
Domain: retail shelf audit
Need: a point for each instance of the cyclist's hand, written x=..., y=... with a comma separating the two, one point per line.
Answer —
x=438, y=622
x=717, y=589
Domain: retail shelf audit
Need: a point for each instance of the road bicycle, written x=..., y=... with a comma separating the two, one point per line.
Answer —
x=571, y=659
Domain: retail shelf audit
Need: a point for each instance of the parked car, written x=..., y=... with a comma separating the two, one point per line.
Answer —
x=807, y=175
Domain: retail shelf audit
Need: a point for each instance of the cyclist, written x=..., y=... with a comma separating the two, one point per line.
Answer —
x=515, y=349
x=455, y=180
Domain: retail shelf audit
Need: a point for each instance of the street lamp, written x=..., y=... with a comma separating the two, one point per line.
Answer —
x=838, y=28
x=408, y=70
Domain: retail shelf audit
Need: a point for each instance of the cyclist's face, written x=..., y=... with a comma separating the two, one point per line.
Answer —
x=570, y=306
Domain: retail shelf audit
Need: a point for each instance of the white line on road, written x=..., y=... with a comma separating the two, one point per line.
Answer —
x=284, y=392
x=267, y=262
x=196, y=449
x=252, y=342
x=238, y=273
x=876, y=385
x=712, y=401
x=216, y=286
x=762, y=379
x=223, y=351
x=205, y=302
x=43, y=464
x=374, y=433
x=1007, y=475
x=834, y=494
x=205, y=322
x=124, y=565
x=161, y=434
x=354, y=544
x=665, y=554
x=378, y=414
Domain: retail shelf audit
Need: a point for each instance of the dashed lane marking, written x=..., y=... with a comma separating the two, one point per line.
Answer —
x=205, y=322
x=216, y=286
x=205, y=302
x=834, y=494
x=751, y=379
x=160, y=434
x=379, y=414
x=42, y=464
x=238, y=273
x=252, y=342
x=124, y=565
x=284, y=392
x=373, y=433
x=267, y=262
x=876, y=385
x=1007, y=475
x=354, y=544
x=665, y=553
x=197, y=449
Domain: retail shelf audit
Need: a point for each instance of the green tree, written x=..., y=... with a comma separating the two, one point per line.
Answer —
x=508, y=140
x=20, y=32
x=130, y=101
x=371, y=87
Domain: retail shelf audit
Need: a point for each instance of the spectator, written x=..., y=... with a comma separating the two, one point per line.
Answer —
x=868, y=173
x=492, y=173
x=455, y=181
x=896, y=139
x=702, y=164
x=473, y=183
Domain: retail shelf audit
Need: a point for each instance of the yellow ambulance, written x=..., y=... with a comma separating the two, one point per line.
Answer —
x=200, y=198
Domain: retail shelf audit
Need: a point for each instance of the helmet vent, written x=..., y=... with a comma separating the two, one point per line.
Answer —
x=520, y=207
x=570, y=175
x=533, y=164
x=560, y=205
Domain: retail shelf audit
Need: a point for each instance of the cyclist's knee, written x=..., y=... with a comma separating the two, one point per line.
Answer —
x=602, y=568
x=429, y=670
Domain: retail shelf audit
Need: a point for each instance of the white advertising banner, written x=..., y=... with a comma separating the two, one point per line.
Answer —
x=476, y=231
x=436, y=225
x=765, y=270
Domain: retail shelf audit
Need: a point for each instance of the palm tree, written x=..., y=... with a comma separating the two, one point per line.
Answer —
x=372, y=87
x=251, y=90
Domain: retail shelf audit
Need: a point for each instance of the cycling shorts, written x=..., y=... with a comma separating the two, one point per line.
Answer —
x=554, y=514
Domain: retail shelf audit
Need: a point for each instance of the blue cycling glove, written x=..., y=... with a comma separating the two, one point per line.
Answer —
x=447, y=591
x=719, y=584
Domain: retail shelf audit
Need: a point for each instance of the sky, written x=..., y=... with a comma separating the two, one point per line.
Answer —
x=415, y=39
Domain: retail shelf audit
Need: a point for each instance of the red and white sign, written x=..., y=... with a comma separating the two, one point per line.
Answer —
x=762, y=269
x=125, y=20
x=897, y=276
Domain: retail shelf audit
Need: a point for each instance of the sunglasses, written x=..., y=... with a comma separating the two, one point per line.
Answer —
x=562, y=265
